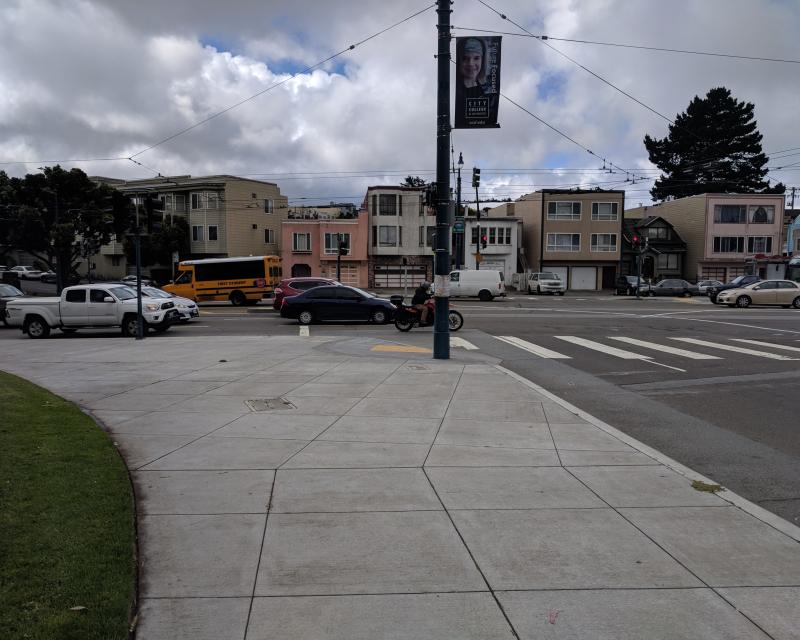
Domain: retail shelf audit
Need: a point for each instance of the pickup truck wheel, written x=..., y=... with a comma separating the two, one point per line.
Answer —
x=129, y=325
x=36, y=327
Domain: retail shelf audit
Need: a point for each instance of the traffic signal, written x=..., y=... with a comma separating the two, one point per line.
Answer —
x=152, y=205
x=476, y=177
x=343, y=242
x=484, y=240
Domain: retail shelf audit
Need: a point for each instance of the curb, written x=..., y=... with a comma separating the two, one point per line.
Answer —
x=776, y=522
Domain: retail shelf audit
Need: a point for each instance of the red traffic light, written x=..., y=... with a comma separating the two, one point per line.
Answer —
x=635, y=239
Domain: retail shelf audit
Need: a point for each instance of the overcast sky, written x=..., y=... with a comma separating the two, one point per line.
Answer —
x=107, y=79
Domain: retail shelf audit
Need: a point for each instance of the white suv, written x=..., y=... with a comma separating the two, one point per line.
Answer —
x=546, y=282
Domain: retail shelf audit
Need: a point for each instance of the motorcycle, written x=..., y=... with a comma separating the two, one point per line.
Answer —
x=407, y=316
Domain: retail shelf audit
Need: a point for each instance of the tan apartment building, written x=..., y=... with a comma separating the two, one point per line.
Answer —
x=575, y=233
x=228, y=216
x=724, y=233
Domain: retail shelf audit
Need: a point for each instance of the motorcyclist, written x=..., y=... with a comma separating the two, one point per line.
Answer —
x=421, y=295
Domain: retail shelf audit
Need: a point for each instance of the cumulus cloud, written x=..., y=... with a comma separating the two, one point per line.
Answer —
x=94, y=79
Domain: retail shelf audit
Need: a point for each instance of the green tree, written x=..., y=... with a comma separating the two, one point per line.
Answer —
x=713, y=147
x=60, y=216
x=158, y=247
x=413, y=181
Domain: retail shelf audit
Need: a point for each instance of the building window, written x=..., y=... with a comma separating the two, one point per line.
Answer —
x=387, y=204
x=508, y=235
x=604, y=242
x=387, y=236
x=212, y=233
x=657, y=233
x=492, y=235
x=421, y=236
x=205, y=200
x=563, y=210
x=563, y=242
x=797, y=245
x=197, y=233
x=604, y=211
x=474, y=235
x=728, y=244
x=730, y=213
x=115, y=261
x=761, y=214
x=668, y=261
x=301, y=242
x=759, y=244
x=332, y=243
x=269, y=236
x=269, y=205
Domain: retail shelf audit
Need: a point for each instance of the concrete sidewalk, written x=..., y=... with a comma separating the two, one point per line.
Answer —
x=394, y=496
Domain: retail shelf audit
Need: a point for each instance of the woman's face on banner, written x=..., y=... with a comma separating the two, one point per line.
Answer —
x=470, y=67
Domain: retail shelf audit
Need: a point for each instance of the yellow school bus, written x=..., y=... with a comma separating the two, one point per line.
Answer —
x=241, y=280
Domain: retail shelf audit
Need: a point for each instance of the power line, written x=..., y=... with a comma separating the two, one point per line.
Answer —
x=280, y=82
x=632, y=46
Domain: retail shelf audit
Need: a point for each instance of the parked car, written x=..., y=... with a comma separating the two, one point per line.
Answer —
x=52, y=278
x=736, y=283
x=337, y=302
x=296, y=286
x=89, y=306
x=26, y=273
x=673, y=287
x=186, y=308
x=704, y=285
x=784, y=293
x=627, y=286
x=546, y=282
x=131, y=281
x=7, y=293
x=486, y=284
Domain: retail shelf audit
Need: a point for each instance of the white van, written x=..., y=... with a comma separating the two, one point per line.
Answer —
x=485, y=284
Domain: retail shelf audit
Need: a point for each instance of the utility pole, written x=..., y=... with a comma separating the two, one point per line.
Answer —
x=339, y=257
x=476, y=182
x=460, y=237
x=441, y=328
x=137, y=241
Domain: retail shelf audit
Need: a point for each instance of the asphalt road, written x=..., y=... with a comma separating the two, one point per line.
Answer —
x=730, y=414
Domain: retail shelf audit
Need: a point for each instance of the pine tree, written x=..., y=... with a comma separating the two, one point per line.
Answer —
x=713, y=147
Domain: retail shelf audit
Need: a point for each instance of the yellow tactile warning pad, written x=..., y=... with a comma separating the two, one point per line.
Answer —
x=399, y=348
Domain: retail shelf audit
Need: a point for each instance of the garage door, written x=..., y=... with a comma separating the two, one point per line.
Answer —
x=350, y=275
x=396, y=277
x=584, y=278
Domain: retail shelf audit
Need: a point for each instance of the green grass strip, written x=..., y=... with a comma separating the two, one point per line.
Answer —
x=66, y=522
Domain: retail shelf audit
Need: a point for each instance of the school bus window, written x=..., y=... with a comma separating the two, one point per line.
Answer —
x=184, y=278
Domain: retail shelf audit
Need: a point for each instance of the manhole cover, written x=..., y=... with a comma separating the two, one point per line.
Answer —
x=268, y=404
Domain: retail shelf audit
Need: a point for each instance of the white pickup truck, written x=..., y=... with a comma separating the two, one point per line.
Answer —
x=91, y=305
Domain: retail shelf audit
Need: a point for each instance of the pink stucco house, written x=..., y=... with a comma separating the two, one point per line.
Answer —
x=309, y=248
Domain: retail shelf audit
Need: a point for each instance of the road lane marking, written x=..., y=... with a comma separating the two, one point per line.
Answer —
x=613, y=351
x=735, y=349
x=693, y=355
x=464, y=344
x=304, y=333
x=532, y=348
x=759, y=343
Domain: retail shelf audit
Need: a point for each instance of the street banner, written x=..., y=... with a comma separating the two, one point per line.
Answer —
x=477, y=82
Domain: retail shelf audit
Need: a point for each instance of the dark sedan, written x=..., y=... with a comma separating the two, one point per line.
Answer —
x=7, y=292
x=336, y=303
x=673, y=287
x=736, y=283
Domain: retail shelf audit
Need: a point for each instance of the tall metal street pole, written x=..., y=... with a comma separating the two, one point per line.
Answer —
x=137, y=240
x=460, y=237
x=441, y=327
x=478, y=224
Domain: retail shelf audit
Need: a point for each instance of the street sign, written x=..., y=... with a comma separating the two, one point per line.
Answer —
x=458, y=225
x=478, y=257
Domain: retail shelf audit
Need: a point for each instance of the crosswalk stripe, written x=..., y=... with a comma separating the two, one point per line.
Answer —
x=693, y=355
x=533, y=348
x=768, y=344
x=597, y=346
x=464, y=344
x=728, y=347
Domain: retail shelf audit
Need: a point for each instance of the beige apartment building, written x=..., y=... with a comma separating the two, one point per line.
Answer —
x=228, y=216
x=725, y=233
x=573, y=232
